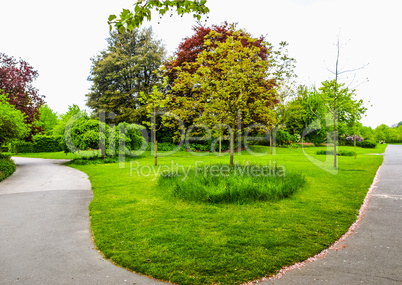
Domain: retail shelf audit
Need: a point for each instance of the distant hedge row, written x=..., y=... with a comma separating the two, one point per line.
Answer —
x=41, y=143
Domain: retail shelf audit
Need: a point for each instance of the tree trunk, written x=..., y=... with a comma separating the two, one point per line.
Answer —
x=231, y=149
x=270, y=141
x=334, y=111
x=220, y=144
x=155, y=153
x=334, y=141
x=153, y=124
x=354, y=137
x=102, y=134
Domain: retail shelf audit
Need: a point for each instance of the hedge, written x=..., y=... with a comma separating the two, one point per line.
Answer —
x=41, y=143
x=7, y=166
x=368, y=144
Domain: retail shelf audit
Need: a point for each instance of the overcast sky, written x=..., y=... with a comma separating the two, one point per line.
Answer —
x=58, y=38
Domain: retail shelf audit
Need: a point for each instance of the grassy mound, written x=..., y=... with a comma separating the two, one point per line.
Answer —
x=238, y=185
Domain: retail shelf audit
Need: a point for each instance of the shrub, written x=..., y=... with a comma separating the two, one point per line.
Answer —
x=132, y=136
x=283, y=138
x=340, y=153
x=225, y=184
x=22, y=147
x=7, y=166
x=41, y=143
x=95, y=160
x=199, y=146
x=85, y=135
x=368, y=144
x=165, y=146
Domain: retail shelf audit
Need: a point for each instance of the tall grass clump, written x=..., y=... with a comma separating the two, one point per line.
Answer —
x=236, y=185
x=340, y=153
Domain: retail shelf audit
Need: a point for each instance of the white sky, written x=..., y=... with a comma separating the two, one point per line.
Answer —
x=59, y=38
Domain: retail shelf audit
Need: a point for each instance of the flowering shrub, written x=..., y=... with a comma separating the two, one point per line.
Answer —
x=348, y=139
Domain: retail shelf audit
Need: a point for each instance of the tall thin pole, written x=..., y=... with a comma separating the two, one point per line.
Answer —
x=334, y=110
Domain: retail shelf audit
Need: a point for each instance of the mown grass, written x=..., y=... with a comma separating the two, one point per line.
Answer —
x=141, y=227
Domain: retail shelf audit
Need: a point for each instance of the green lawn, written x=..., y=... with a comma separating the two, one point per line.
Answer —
x=140, y=227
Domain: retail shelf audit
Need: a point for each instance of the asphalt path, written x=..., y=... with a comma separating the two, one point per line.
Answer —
x=44, y=229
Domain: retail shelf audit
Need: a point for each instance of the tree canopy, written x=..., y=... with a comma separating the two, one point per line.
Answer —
x=47, y=119
x=122, y=71
x=12, y=124
x=308, y=110
x=227, y=84
x=58, y=129
x=16, y=79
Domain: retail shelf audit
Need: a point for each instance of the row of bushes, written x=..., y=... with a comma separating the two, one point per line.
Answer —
x=7, y=166
x=340, y=153
x=84, y=134
x=41, y=143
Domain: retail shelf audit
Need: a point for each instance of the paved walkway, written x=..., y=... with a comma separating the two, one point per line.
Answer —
x=44, y=229
x=373, y=253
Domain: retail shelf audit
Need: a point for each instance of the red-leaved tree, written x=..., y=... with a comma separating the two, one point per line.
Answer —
x=16, y=77
x=192, y=46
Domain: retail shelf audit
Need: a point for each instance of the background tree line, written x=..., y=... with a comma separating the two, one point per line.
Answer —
x=220, y=76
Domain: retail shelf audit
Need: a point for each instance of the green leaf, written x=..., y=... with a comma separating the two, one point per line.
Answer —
x=122, y=29
x=112, y=17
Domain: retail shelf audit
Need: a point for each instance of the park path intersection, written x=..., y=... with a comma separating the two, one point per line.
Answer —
x=45, y=233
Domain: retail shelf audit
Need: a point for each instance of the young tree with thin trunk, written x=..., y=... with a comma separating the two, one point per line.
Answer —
x=154, y=102
x=335, y=104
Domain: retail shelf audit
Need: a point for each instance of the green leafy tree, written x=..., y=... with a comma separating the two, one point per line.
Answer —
x=347, y=109
x=366, y=132
x=307, y=115
x=154, y=102
x=310, y=108
x=58, y=129
x=47, y=119
x=121, y=72
x=129, y=20
x=12, y=126
x=296, y=119
x=229, y=86
x=382, y=133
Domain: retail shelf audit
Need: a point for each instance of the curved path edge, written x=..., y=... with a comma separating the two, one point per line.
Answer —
x=45, y=235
